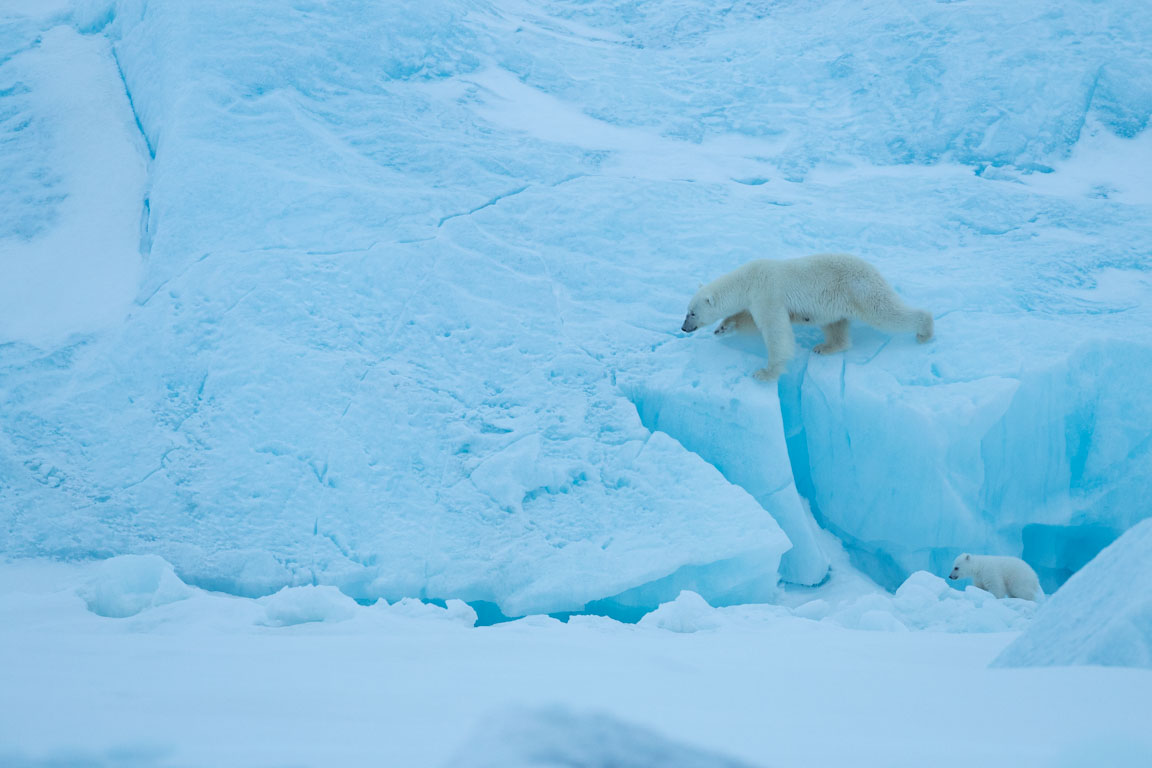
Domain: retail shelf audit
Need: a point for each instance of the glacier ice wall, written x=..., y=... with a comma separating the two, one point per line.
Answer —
x=409, y=280
x=333, y=373
x=1048, y=462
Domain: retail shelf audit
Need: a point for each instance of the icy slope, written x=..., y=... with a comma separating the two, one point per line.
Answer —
x=74, y=171
x=1102, y=616
x=412, y=278
x=413, y=418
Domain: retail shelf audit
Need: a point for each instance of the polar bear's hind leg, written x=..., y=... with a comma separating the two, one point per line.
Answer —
x=836, y=338
x=886, y=312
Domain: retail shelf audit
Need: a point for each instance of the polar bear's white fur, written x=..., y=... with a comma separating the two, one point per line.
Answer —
x=1002, y=576
x=828, y=290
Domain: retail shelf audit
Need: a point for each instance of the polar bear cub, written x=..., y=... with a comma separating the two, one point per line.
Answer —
x=828, y=290
x=1002, y=576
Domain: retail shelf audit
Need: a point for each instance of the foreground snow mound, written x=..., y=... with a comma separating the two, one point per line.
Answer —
x=925, y=601
x=126, y=585
x=559, y=737
x=1102, y=615
x=687, y=613
x=454, y=611
x=301, y=605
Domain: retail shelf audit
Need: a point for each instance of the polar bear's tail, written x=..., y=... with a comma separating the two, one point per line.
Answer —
x=886, y=312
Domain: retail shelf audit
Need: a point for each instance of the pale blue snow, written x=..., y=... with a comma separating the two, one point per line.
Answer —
x=409, y=279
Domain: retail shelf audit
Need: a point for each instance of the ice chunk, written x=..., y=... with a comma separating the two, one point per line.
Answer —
x=456, y=611
x=128, y=584
x=546, y=737
x=1102, y=615
x=243, y=572
x=813, y=609
x=687, y=613
x=301, y=605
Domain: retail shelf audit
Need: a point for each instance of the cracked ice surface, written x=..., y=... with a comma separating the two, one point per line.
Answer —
x=408, y=274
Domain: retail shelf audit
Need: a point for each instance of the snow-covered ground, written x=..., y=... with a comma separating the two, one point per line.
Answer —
x=309, y=678
x=335, y=311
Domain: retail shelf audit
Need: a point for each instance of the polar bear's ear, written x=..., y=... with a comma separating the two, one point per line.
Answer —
x=709, y=300
x=967, y=556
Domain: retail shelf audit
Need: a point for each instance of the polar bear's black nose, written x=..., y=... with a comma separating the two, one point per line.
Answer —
x=689, y=325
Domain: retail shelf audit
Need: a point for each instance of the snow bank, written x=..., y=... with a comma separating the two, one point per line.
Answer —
x=126, y=585
x=1102, y=615
x=923, y=602
x=555, y=736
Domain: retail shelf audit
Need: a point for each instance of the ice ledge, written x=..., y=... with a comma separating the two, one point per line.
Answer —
x=700, y=393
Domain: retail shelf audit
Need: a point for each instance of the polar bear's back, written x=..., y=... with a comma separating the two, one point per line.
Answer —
x=836, y=267
x=828, y=286
x=1006, y=576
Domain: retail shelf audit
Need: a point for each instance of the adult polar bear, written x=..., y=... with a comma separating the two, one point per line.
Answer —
x=826, y=289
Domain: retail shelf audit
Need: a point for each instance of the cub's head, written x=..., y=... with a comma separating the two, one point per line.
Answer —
x=961, y=567
x=702, y=310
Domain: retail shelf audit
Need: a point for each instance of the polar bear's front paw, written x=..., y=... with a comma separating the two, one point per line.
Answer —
x=769, y=374
x=722, y=329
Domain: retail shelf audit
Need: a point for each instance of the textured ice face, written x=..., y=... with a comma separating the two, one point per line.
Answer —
x=408, y=278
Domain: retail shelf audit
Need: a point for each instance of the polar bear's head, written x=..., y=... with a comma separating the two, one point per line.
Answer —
x=724, y=296
x=702, y=310
x=961, y=567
